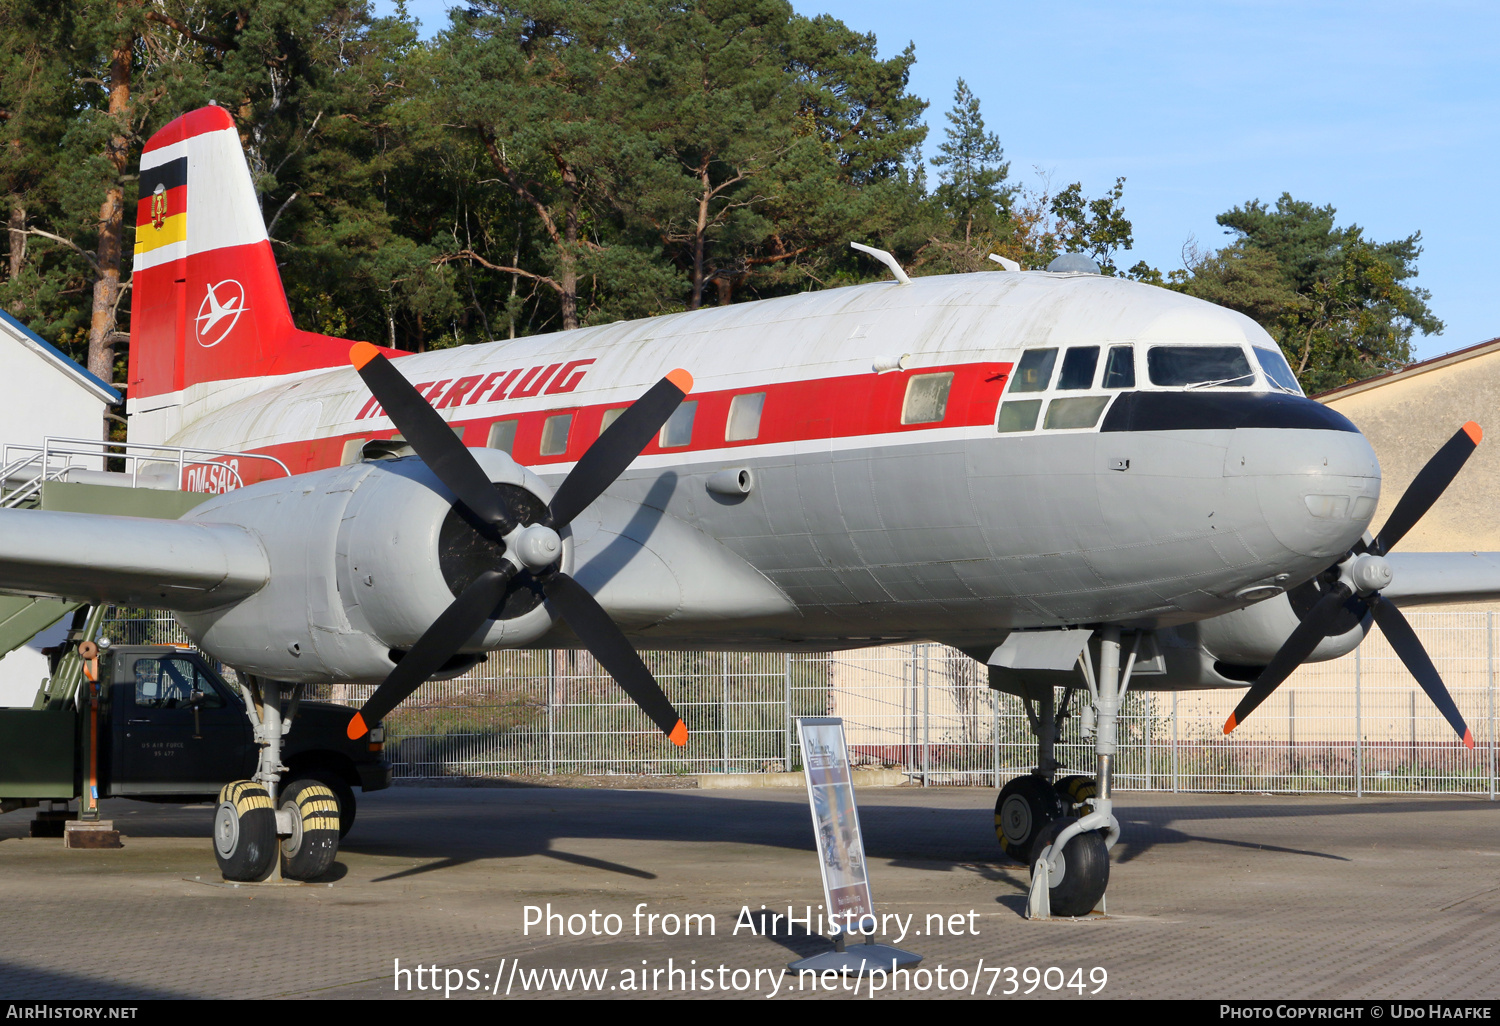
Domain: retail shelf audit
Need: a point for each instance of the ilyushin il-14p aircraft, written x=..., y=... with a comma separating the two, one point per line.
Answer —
x=1085, y=483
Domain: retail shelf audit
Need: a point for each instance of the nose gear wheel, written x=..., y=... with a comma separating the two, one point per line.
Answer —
x=1026, y=807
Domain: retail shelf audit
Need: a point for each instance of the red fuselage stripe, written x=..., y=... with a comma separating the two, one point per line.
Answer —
x=793, y=411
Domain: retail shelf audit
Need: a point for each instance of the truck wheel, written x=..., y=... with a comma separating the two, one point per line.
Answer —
x=314, y=841
x=245, y=832
x=335, y=783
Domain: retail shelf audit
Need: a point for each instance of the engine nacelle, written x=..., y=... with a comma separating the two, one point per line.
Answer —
x=1230, y=650
x=363, y=559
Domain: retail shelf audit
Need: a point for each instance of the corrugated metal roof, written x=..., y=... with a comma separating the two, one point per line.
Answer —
x=31, y=340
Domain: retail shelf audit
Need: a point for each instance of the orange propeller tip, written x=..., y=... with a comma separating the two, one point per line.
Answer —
x=679, y=735
x=362, y=353
x=1468, y=738
x=1474, y=431
x=682, y=379
x=357, y=728
x=1230, y=724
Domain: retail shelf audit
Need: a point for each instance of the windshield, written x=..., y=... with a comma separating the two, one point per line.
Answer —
x=1277, y=371
x=1199, y=366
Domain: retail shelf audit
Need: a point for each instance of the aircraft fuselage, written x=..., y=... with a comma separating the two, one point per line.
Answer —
x=887, y=507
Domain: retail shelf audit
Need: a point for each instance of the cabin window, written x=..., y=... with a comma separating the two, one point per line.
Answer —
x=1019, y=415
x=1078, y=367
x=1077, y=412
x=610, y=416
x=1199, y=366
x=1034, y=372
x=678, y=430
x=353, y=452
x=744, y=417
x=555, y=434
x=1119, y=369
x=1277, y=370
x=926, y=398
x=502, y=436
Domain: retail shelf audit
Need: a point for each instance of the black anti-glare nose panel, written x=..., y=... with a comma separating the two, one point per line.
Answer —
x=1206, y=411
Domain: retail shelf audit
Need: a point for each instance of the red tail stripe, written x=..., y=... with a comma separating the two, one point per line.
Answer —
x=197, y=122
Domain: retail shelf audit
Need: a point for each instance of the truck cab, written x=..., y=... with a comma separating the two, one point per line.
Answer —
x=171, y=729
x=179, y=732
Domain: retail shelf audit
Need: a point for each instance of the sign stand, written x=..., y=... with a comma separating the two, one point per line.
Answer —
x=841, y=856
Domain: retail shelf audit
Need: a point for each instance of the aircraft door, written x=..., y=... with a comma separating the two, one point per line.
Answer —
x=177, y=731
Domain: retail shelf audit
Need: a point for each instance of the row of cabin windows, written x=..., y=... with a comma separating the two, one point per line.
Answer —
x=926, y=399
x=742, y=425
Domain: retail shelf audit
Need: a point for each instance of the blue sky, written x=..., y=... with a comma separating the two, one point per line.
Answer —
x=1388, y=111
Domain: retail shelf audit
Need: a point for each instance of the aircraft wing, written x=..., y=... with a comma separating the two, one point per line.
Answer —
x=160, y=564
x=1430, y=578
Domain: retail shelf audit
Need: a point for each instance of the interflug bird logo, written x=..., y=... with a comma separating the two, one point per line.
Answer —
x=219, y=312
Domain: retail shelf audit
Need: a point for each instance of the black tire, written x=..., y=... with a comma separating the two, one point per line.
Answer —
x=1076, y=790
x=342, y=792
x=245, y=832
x=1085, y=870
x=1024, y=809
x=314, y=842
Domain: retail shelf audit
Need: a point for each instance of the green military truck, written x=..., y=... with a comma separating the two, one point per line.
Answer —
x=159, y=723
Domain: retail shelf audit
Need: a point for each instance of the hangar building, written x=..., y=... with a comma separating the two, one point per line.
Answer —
x=1408, y=414
x=46, y=395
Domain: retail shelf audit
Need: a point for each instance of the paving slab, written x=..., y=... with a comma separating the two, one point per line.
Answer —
x=1211, y=896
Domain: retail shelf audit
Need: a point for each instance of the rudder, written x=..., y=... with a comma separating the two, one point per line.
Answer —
x=208, y=304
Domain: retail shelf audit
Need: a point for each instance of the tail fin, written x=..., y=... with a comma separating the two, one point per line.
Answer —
x=207, y=304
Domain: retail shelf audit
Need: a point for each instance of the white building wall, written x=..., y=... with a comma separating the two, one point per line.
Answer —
x=41, y=399
x=23, y=670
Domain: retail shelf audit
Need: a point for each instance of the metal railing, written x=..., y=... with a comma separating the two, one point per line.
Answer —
x=25, y=468
x=1355, y=725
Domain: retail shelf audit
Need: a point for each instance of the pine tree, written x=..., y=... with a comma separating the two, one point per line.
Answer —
x=972, y=167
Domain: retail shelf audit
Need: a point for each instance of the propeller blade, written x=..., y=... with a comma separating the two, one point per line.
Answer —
x=617, y=447
x=1428, y=486
x=1404, y=640
x=602, y=637
x=431, y=437
x=436, y=646
x=1293, y=651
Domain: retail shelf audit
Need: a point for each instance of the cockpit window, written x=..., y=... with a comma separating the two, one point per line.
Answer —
x=1199, y=367
x=1277, y=370
x=1119, y=369
x=1034, y=373
x=1078, y=367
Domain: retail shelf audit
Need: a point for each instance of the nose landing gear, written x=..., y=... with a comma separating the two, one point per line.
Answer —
x=1065, y=829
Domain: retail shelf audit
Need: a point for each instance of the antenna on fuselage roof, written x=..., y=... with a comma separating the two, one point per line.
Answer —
x=1009, y=265
x=884, y=258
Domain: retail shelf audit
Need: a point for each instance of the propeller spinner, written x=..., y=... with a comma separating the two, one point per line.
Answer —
x=1360, y=576
x=533, y=547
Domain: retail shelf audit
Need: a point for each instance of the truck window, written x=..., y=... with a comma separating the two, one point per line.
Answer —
x=170, y=683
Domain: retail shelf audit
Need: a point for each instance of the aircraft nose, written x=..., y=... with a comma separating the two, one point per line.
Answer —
x=1316, y=488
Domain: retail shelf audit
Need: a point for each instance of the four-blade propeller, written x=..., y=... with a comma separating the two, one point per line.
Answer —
x=533, y=547
x=1356, y=592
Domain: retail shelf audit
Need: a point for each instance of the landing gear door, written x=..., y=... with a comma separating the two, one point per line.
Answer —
x=177, y=729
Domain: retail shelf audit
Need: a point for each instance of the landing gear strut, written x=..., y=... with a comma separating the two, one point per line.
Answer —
x=252, y=815
x=1065, y=829
x=1028, y=805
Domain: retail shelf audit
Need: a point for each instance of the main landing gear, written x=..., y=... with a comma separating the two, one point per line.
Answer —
x=1064, y=827
x=263, y=833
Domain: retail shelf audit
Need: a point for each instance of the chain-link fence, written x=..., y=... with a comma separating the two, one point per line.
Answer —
x=1357, y=724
